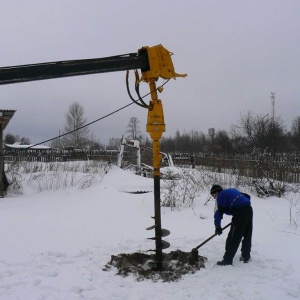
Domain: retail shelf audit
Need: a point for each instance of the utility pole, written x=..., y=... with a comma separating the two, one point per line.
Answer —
x=59, y=144
x=5, y=117
x=273, y=106
x=273, y=118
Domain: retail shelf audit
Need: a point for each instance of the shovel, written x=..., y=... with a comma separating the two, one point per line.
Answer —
x=194, y=253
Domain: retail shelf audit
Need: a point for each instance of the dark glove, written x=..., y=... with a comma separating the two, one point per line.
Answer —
x=218, y=230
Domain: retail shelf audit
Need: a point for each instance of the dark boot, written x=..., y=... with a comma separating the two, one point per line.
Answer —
x=244, y=260
x=224, y=263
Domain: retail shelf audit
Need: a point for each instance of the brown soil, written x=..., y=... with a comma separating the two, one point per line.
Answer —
x=143, y=266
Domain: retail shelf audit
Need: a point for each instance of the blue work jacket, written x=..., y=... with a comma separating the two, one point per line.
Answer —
x=227, y=202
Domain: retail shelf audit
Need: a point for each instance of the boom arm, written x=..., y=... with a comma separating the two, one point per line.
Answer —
x=154, y=62
x=24, y=73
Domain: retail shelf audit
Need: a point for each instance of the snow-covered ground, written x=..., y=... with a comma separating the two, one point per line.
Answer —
x=55, y=244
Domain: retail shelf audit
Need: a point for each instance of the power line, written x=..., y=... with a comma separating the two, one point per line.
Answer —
x=117, y=110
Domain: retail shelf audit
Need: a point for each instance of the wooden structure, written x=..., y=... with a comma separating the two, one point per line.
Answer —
x=5, y=116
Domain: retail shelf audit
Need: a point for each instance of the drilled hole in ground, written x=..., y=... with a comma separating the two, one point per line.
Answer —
x=139, y=192
x=142, y=266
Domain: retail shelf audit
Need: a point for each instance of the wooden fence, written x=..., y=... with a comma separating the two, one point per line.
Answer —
x=281, y=167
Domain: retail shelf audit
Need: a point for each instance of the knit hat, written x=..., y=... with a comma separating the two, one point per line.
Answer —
x=215, y=189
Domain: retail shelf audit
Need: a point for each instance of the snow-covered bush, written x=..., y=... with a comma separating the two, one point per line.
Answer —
x=294, y=199
x=181, y=187
x=55, y=175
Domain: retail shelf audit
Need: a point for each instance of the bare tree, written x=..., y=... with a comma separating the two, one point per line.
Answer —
x=75, y=121
x=188, y=142
x=11, y=139
x=295, y=133
x=114, y=143
x=222, y=139
x=296, y=126
x=133, y=129
x=259, y=132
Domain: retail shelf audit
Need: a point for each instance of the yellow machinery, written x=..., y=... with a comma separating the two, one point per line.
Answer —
x=154, y=62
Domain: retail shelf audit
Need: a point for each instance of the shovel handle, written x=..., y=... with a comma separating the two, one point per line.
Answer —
x=212, y=236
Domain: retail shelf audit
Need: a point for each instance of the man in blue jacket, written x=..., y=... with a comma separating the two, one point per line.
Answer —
x=233, y=202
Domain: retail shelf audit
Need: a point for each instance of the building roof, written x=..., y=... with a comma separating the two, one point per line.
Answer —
x=18, y=146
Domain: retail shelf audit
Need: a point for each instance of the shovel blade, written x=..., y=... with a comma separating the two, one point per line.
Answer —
x=193, y=256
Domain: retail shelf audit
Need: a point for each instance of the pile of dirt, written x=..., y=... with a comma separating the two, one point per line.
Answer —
x=142, y=266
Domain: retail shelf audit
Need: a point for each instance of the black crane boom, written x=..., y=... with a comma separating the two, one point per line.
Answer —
x=59, y=69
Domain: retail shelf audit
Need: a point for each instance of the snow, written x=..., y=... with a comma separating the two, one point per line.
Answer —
x=30, y=146
x=55, y=244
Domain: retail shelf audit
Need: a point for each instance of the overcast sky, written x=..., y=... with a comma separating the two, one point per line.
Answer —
x=235, y=54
